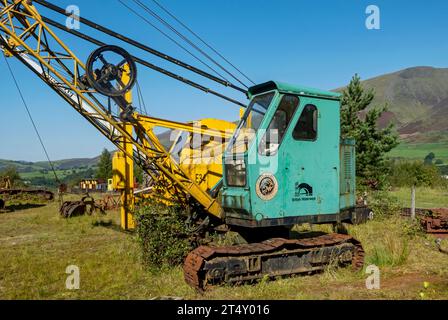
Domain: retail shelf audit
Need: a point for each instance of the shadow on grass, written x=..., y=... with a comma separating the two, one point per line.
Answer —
x=23, y=206
x=109, y=224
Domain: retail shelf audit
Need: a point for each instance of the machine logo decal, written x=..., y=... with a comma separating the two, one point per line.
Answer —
x=267, y=187
x=304, y=192
x=304, y=189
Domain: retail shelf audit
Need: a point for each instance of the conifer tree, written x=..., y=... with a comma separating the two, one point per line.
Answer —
x=105, y=166
x=372, y=143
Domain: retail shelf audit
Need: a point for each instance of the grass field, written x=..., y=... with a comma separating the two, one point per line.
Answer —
x=47, y=175
x=36, y=246
x=425, y=198
x=419, y=151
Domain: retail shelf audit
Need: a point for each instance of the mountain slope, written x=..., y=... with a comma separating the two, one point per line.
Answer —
x=67, y=164
x=417, y=99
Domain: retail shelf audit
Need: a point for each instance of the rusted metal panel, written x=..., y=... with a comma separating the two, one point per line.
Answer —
x=433, y=221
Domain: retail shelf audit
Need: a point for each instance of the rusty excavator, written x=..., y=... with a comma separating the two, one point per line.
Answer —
x=283, y=164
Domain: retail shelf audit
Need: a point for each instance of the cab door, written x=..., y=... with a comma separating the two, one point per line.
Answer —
x=310, y=156
x=268, y=174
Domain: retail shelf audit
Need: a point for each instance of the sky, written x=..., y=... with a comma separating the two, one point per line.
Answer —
x=320, y=43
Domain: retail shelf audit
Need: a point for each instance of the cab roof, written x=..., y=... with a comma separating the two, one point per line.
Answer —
x=288, y=88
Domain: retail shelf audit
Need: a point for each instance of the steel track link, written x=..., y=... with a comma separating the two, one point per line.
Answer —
x=208, y=266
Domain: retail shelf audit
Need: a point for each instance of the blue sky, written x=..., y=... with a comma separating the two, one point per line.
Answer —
x=319, y=43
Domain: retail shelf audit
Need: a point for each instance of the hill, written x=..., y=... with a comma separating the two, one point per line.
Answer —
x=67, y=164
x=418, y=102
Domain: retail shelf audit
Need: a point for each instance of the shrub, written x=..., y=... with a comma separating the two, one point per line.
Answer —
x=383, y=204
x=405, y=174
x=162, y=234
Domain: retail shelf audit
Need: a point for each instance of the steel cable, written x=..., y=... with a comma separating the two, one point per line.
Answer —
x=179, y=34
x=32, y=121
x=202, y=40
x=174, y=41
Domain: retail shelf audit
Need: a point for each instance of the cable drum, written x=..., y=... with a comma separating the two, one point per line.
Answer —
x=107, y=78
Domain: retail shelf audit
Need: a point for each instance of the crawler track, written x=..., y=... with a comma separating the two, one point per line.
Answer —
x=209, y=266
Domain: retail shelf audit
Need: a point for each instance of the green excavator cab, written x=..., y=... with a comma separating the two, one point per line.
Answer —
x=287, y=163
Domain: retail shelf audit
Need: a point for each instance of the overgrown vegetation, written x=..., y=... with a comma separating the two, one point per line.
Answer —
x=415, y=173
x=383, y=203
x=162, y=234
x=391, y=251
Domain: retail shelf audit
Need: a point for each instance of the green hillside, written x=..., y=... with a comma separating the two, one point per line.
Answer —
x=418, y=102
x=39, y=174
x=28, y=168
x=418, y=151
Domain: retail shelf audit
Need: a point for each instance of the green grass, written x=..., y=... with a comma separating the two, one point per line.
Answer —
x=419, y=151
x=426, y=198
x=47, y=175
x=36, y=246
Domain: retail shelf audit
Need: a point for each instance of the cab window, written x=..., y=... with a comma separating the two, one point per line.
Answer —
x=306, y=128
x=276, y=131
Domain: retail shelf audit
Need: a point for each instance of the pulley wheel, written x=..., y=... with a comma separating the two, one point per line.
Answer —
x=111, y=71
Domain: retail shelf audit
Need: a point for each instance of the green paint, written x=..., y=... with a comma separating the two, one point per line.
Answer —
x=314, y=172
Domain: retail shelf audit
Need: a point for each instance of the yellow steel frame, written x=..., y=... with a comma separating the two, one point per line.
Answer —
x=127, y=170
x=23, y=33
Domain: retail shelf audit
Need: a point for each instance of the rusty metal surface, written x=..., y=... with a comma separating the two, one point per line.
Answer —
x=71, y=209
x=250, y=262
x=45, y=194
x=86, y=205
x=433, y=221
x=109, y=202
x=436, y=222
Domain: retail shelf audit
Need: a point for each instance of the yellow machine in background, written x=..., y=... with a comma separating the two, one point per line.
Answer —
x=197, y=147
x=201, y=156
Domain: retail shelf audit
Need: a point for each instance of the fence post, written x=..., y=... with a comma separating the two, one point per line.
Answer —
x=413, y=202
